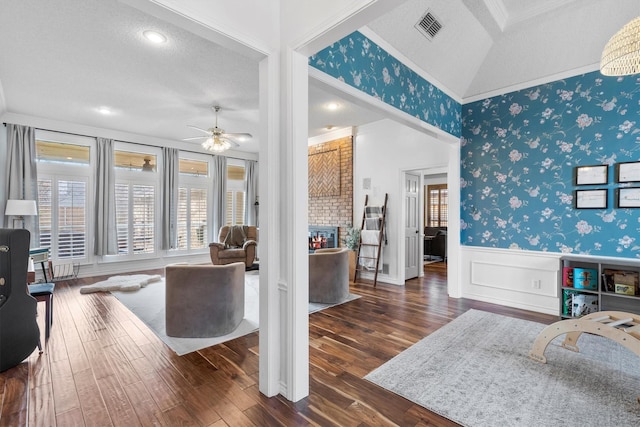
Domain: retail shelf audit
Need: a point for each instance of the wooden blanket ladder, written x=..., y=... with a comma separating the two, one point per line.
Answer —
x=373, y=218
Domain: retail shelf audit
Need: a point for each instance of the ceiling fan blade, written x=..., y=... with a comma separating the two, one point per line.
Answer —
x=194, y=138
x=237, y=135
x=200, y=129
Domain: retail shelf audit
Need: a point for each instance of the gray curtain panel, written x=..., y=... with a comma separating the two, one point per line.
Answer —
x=21, y=174
x=251, y=190
x=219, y=193
x=171, y=164
x=105, y=205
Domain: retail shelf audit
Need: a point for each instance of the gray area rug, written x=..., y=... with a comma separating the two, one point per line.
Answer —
x=476, y=372
x=147, y=303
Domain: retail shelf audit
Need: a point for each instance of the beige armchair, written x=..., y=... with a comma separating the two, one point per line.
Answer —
x=329, y=275
x=235, y=243
x=203, y=300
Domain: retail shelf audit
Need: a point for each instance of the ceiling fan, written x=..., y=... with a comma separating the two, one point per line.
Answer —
x=217, y=139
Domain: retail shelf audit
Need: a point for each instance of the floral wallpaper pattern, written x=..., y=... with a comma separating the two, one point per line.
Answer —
x=518, y=153
x=364, y=65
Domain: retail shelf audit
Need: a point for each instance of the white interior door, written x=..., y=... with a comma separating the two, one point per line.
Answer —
x=411, y=227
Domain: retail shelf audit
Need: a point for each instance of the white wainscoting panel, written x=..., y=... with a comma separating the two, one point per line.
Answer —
x=521, y=279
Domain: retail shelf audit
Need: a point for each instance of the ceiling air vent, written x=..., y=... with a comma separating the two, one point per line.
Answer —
x=429, y=25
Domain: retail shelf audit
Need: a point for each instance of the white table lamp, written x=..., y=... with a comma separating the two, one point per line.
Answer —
x=19, y=209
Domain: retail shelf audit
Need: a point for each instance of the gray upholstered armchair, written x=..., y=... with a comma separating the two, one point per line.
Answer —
x=329, y=275
x=236, y=243
x=203, y=300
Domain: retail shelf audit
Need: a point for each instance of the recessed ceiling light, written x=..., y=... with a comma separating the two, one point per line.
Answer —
x=154, y=37
x=333, y=106
x=104, y=110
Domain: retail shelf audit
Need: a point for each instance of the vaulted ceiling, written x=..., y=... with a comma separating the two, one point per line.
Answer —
x=64, y=59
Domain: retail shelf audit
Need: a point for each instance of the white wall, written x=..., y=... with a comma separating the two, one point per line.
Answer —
x=382, y=151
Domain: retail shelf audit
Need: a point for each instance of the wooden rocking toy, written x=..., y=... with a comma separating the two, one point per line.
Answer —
x=619, y=326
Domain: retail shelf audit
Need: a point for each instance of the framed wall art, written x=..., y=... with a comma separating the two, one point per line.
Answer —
x=628, y=172
x=591, y=199
x=324, y=173
x=591, y=175
x=628, y=197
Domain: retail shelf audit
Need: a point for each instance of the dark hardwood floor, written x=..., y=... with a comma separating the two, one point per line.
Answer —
x=102, y=366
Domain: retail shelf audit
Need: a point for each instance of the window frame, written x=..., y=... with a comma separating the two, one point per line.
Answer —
x=199, y=182
x=235, y=186
x=60, y=171
x=139, y=177
x=439, y=222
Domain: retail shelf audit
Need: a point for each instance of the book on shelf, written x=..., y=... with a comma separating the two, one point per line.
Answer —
x=567, y=301
x=584, y=304
x=585, y=278
x=567, y=277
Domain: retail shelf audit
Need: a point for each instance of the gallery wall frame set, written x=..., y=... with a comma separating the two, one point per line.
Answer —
x=625, y=173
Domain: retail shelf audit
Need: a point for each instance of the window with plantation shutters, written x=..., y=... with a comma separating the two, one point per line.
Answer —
x=136, y=192
x=235, y=194
x=122, y=218
x=135, y=218
x=235, y=207
x=192, y=218
x=437, y=205
x=143, y=222
x=193, y=203
x=64, y=177
x=62, y=216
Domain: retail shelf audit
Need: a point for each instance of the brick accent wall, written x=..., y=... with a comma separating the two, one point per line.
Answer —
x=334, y=210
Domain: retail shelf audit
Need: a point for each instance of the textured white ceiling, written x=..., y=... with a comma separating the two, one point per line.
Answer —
x=62, y=59
x=494, y=45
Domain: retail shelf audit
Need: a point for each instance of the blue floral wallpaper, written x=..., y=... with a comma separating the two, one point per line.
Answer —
x=364, y=65
x=518, y=153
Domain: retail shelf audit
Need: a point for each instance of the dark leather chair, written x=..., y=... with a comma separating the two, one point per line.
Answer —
x=19, y=332
x=435, y=242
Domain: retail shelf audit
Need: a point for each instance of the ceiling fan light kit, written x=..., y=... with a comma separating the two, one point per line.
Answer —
x=621, y=54
x=216, y=139
x=216, y=144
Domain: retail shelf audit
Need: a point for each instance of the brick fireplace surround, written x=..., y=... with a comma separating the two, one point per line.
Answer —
x=335, y=210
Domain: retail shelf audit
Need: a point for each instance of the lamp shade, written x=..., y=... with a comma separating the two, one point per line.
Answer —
x=621, y=55
x=21, y=207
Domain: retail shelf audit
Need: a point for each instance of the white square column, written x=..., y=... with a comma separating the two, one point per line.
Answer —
x=284, y=297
